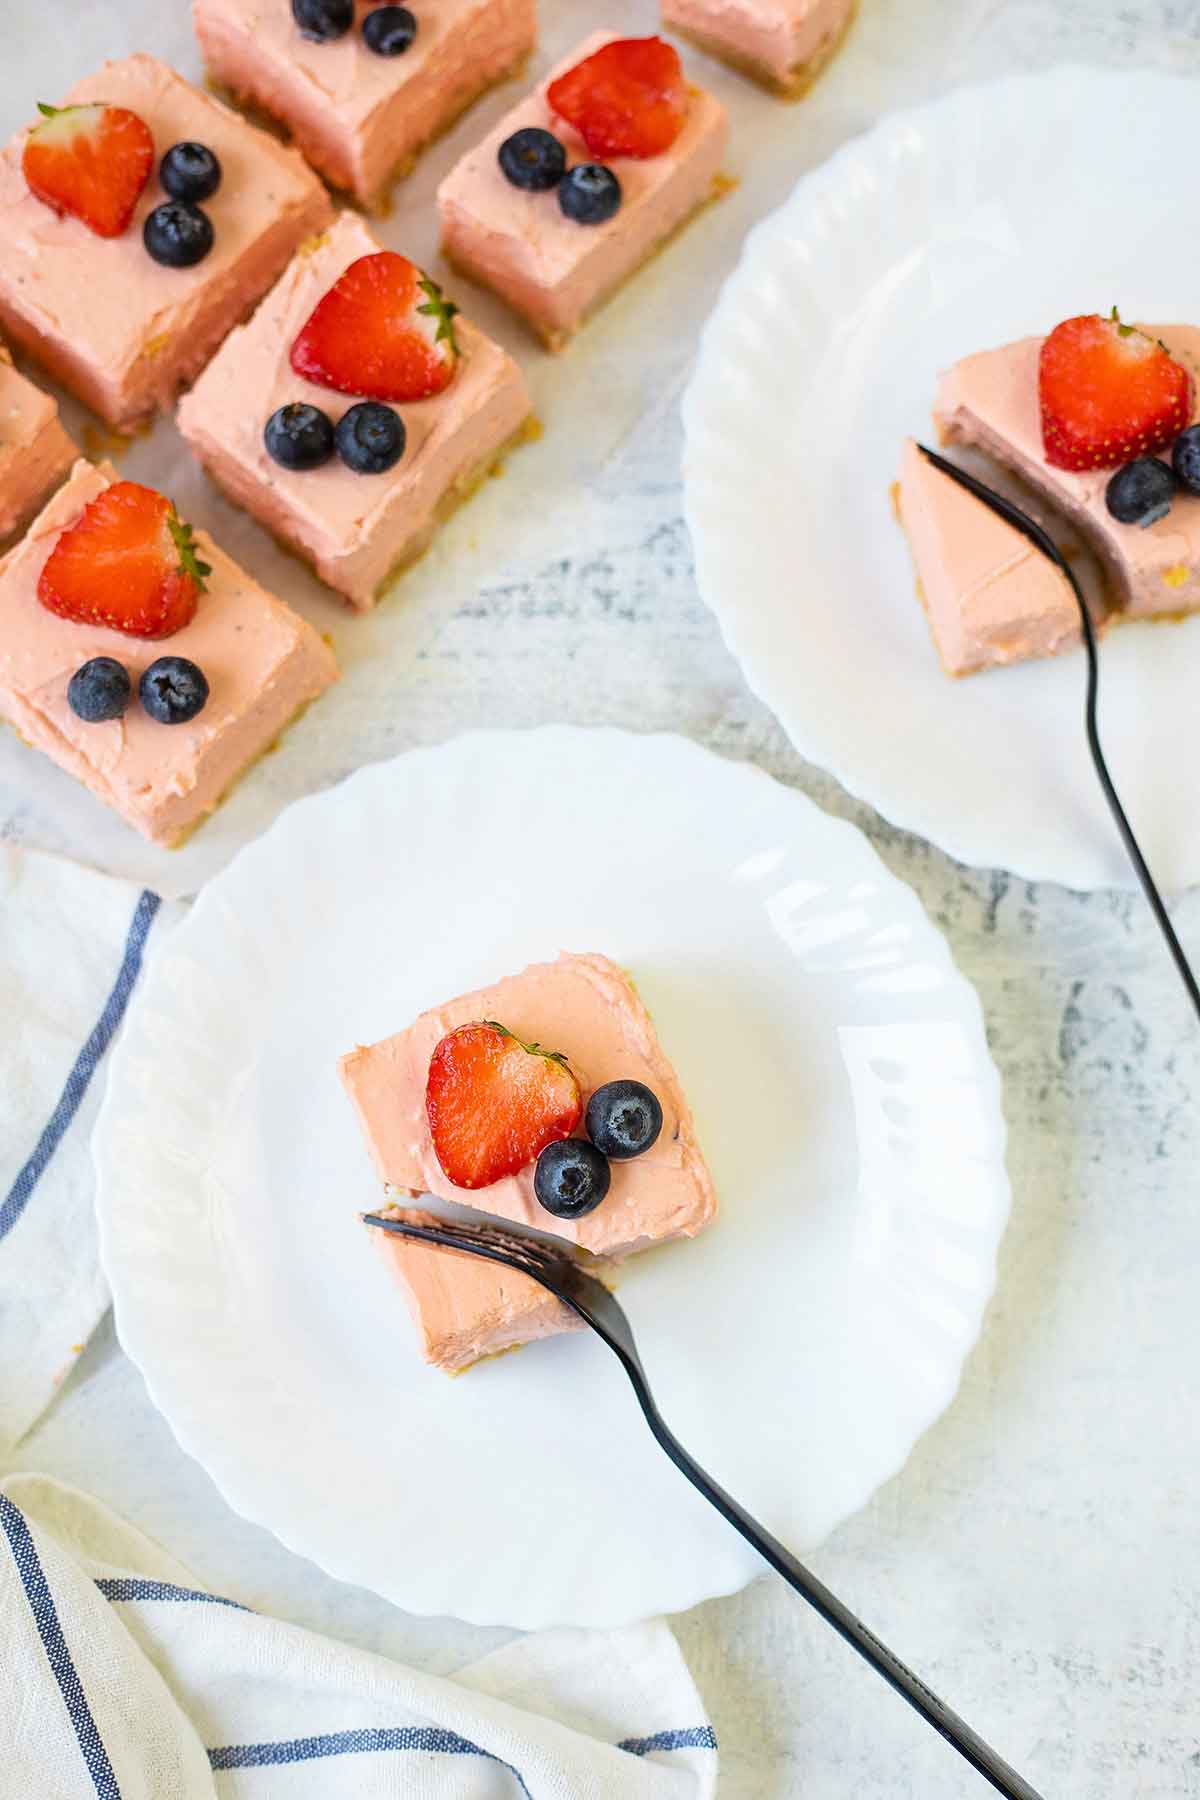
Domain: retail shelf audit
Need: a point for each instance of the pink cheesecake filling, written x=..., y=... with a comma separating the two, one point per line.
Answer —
x=991, y=400
x=357, y=116
x=35, y=451
x=463, y=1308
x=263, y=662
x=990, y=597
x=551, y=270
x=119, y=329
x=586, y=1007
x=781, y=41
x=354, y=529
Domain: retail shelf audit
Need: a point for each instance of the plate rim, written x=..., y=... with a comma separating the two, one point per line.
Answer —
x=186, y=1425
x=909, y=815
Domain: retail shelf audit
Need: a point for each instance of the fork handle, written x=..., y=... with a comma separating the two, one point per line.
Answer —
x=906, y=1682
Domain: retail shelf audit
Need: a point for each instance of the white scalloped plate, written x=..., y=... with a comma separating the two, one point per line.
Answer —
x=987, y=215
x=837, y=1065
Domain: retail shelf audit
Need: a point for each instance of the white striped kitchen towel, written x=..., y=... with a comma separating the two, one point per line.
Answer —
x=125, y=1681
x=71, y=947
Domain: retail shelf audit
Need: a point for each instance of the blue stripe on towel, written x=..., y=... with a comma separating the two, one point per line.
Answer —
x=137, y=1588
x=694, y=1737
x=41, y=1605
x=86, y=1064
x=431, y=1739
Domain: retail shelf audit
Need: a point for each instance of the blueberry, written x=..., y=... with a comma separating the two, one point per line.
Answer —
x=623, y=1119
x=178, y=234
x=389, y=30
x=533, y=159
x=589, y=193
x=1185, y=459
x=99, y=690
x=190, y=172
x=323, y=20
x=571, y=1178
x=299, y=436
x=370, y=438
x=173, y=690
x=1141, y=492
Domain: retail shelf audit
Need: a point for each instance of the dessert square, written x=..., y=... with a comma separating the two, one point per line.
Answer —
x=35, y=451
x=587, y=1008
x=357, y=530
x=462, y=1307
x=989, y=595
x=784, y=44
x=119, y=329
x=550, y=268
x=361, y=117
x=262, y=663
x=990, y=400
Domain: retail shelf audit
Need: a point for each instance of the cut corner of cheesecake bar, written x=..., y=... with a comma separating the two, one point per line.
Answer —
x=990, y=597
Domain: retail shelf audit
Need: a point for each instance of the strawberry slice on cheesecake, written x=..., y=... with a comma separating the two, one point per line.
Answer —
x=91, y=161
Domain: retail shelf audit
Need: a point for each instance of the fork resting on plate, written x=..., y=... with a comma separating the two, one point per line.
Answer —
x=557, y=1271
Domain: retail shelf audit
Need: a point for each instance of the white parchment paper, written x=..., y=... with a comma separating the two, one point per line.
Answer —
x=555, y=495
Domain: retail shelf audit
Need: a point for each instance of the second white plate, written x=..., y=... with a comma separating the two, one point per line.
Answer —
x=990, y=214
x=837, y=1066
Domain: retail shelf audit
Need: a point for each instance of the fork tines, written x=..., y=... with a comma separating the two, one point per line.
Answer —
x=532, y=1252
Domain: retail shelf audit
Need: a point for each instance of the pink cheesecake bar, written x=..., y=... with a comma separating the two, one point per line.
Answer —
x=35, y=451
x=463, y=1308
x=356, y=530
x=782, y=43
x=991, y=400
x=586, y=1007
x=990, y=597
x=262, y=661
x=361, y=118
x=551, y=270
x=120, y=330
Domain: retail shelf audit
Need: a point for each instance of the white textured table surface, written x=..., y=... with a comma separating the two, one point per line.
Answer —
x=1036, y=1560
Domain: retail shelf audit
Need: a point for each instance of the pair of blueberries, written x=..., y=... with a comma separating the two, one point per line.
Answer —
x=369, y=437
x=535, y=160
x=572, y=1175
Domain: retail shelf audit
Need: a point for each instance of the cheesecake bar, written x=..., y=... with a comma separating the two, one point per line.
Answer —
x=990, y=400
x=35, y=451
x=260, y=660
x=554, y=267
x=586, y=1008
x=356, y=530
x=361, y=114
x=784, y=44
x=120, y=329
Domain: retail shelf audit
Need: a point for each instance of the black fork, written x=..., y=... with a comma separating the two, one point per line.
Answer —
x=557, y=1271
x=1045, y=543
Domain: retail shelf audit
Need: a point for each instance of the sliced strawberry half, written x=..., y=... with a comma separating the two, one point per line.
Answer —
x=384, y=330
x=128, y=563
x=494, y=1103
x=629, y=98
x=1108, y=393
x=91, y=162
